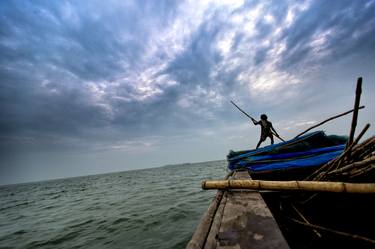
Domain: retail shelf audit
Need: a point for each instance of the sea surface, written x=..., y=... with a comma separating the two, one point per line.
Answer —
x=150, y=208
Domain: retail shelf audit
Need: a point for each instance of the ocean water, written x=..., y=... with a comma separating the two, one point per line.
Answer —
x=151, y=208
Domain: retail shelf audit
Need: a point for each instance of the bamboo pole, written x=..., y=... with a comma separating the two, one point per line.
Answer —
x=354, y=165
x=365, y=144
x=337, y=162
x=363, y=171
x=358, y=92
x=349, y=149
x=366, y=152
x=309, y=199
x=331, y=163
x=304, y=218
x=329, y=119
x=362, y=152
x=352, y=236
x=308, y=186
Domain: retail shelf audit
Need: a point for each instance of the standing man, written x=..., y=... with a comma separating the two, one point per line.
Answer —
x=267, y=129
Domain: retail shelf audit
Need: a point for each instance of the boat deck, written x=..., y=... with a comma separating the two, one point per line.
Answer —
x=238, y=219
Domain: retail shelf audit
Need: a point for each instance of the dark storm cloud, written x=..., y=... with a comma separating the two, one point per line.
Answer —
x=83, y=53
x=194, y=65
x=49, y=50
x=52, y=56
x=348, y=25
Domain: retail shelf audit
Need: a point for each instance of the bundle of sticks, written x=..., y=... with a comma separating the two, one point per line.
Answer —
x=361, y=162
x=357, y=160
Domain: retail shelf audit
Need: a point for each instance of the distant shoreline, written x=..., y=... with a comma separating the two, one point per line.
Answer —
x=111, y=172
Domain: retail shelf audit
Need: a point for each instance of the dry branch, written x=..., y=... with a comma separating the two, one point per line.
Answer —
x=325, y=121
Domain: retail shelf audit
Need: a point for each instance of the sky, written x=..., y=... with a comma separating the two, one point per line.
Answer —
x=89, y=87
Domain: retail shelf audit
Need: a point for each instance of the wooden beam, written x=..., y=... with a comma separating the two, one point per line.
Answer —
x=308, y=186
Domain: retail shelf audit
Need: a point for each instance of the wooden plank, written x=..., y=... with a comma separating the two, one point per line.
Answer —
x=201, y=233
x=199, y=237
x=244, y=221
x=212, y=235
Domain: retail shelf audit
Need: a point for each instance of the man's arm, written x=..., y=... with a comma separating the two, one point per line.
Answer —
x=255, y=122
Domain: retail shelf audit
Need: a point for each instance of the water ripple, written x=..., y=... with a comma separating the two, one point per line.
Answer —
x=108, y=211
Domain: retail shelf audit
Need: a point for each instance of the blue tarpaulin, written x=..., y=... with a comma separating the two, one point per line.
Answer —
x=313, y=149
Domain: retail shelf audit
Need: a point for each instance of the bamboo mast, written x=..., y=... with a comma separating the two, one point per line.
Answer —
x=358, y=92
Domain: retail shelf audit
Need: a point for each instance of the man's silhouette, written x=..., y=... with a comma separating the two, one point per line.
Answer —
x=267, y=129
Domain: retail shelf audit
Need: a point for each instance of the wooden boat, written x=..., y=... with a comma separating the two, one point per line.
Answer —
x=240, y=217
x=290, y=219
x=327, y=220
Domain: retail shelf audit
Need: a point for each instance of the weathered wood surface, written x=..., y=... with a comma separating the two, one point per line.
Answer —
x=200, y=235
x=243, y=220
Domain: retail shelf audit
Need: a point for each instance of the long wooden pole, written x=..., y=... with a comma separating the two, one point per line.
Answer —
x=352, y=236
x=304, y=218
x=350, y=147
x=358, y=92
x=329, y=119
x=308, y=186
x=250, y=117
x=254, y=119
